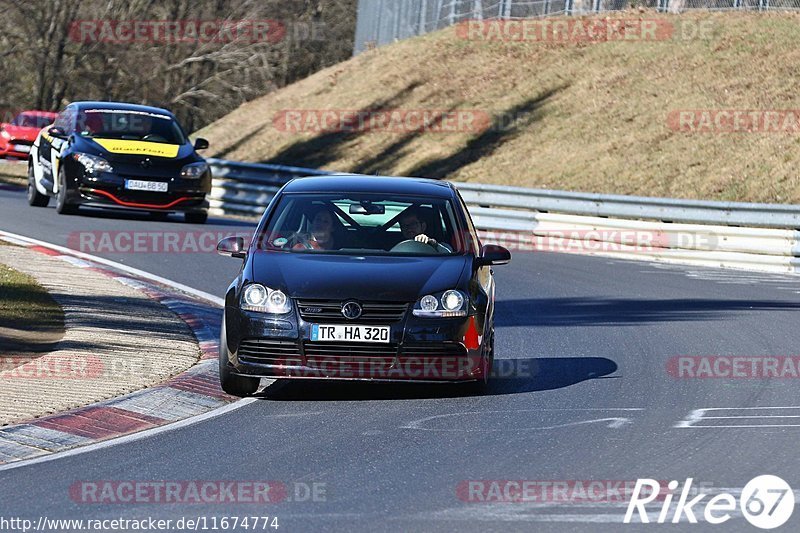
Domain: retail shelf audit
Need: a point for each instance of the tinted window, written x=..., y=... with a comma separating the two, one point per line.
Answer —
x=129, y=125
x=361, y=224
x=27, y=120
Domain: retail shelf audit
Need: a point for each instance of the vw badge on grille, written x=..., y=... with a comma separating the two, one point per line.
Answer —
x=351, y=310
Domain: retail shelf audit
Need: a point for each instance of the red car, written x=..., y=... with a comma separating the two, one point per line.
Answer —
x=17, y=136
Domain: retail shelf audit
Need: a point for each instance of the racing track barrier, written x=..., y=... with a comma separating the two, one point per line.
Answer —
x=729, y=234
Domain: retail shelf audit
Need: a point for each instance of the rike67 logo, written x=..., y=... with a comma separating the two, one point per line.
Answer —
x=766, y=502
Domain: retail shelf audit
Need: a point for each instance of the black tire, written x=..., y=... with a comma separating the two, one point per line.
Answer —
x=35, y=198
x=62, y=207
x=232, y=384
x=198, y=217
x=480, y=386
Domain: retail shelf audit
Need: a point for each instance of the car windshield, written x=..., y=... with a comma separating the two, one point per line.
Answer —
x=362, y=224
x=28, y=120
x=129, y=125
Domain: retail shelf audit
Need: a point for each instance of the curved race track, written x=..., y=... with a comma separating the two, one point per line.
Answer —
x=588, y=339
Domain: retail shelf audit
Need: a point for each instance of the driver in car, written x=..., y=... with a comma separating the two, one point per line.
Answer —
x=413, y=228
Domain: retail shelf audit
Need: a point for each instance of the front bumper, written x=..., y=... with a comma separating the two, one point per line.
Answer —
x=16, y=148
x=108, y=190
x=420, y=350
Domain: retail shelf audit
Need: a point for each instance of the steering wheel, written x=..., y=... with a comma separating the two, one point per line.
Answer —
x=412, y=246
x=300, y=238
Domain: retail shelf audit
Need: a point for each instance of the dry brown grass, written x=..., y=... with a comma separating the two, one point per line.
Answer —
x=13, y=173
x=593, y=116
x=30, y=320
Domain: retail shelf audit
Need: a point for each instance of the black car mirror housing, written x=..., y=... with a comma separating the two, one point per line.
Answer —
x=232, y=246
x=200, y=144
x=493, y=254
x=55, y=131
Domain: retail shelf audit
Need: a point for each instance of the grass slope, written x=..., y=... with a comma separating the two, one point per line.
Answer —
x=590, y=116
x=30, y=320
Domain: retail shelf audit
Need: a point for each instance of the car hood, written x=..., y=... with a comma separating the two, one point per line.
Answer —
x=381, y=278
x=20, y=132
x=125, y=151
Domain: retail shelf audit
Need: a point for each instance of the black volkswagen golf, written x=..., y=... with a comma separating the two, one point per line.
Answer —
x=360, y=278
x=121, y=156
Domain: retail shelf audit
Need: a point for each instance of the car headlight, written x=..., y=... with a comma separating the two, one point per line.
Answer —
x=259, y=298
x=451, y=303
x=428, y=303
x=5, y=134
x=194, y=171
x=92, y=163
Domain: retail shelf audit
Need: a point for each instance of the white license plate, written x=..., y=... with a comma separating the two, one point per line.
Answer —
x=22, y=148
x=141, y=185
x=344, y=332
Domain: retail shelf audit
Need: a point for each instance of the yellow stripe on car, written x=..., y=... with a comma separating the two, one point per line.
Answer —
x=120, y=146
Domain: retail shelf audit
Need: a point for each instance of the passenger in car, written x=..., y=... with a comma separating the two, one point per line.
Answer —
x=321, y=231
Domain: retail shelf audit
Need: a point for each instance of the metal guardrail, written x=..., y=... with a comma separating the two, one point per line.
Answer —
x=729, y=234
x=249, y=185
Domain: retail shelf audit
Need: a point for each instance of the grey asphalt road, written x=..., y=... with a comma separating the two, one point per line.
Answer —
x=583, y=394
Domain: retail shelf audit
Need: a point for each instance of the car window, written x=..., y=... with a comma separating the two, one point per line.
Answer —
x=29, y=120
x=64, y=120
x=129, y=125
x=362, y=224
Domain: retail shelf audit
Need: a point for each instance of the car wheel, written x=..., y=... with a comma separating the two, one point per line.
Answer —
x=35, y=198
x=232, y=384
x=481, y=385
x=62, y=207
x=196, y=218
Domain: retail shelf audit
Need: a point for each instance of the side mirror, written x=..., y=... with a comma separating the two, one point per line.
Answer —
x=232, y=246
x=55, y=131
x=200, y=144
x=493, y=254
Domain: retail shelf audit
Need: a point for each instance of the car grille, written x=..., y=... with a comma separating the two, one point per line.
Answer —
x=270, y=352
x=424, y=350
x=351, y=359
x=344, y=355
x=331, y=311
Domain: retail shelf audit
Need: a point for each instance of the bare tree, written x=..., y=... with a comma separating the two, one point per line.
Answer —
x=200, y=80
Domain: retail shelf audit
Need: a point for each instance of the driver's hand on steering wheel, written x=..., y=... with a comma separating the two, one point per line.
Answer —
x=424, y=239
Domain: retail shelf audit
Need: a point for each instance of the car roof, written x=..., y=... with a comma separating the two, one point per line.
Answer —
x=122, y=106
x=378, y=184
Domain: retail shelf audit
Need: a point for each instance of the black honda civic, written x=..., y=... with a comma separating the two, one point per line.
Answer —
x=360, y=278
x=120, y=156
